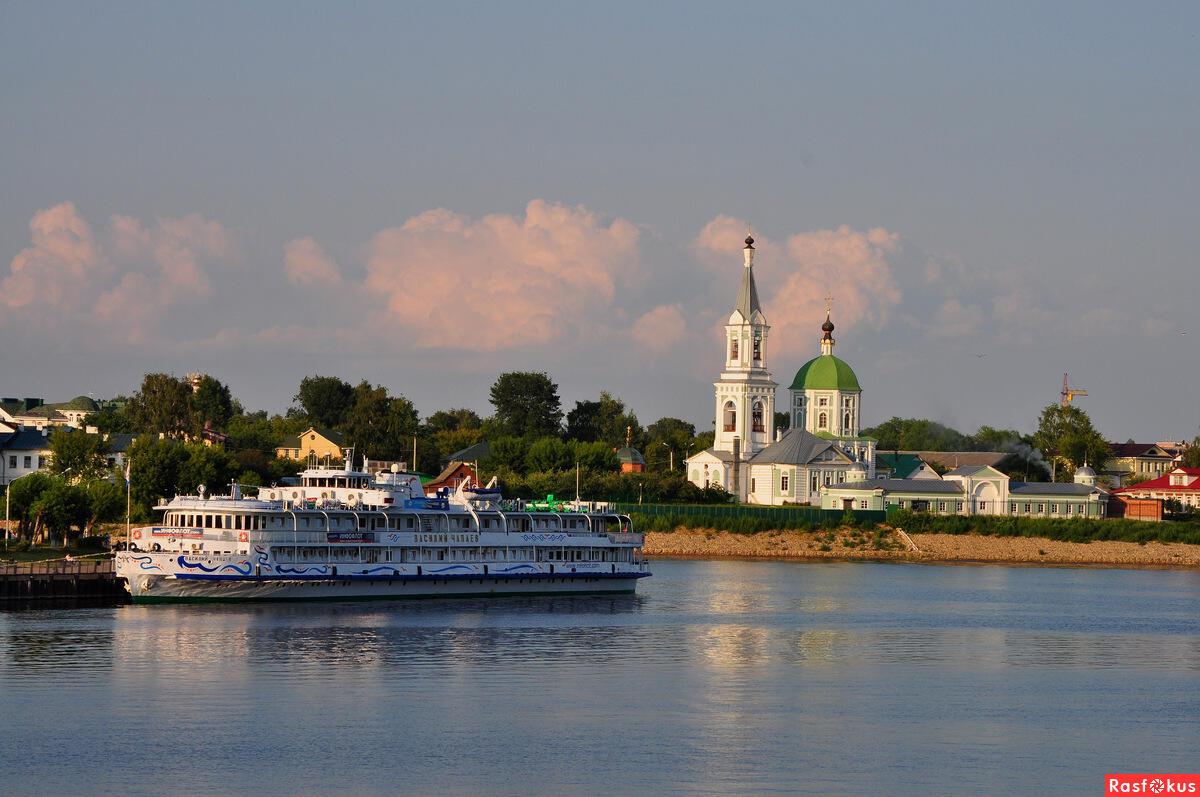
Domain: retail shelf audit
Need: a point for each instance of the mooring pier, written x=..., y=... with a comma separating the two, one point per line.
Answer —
x=59, y=579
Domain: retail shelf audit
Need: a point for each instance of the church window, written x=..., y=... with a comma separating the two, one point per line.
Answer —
x=730, y=417
x=815, y=484
x=733, y=348
x=862, y=504
x=783, y=483
x=756, y=418
x=822, y=420
x=846, y=424
x=752, y=488
x=757, y=348
x=823, y=401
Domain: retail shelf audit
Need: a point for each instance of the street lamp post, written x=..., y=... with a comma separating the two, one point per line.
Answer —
x=670, y=451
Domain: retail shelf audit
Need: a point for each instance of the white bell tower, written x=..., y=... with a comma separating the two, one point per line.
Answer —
x=745, y=393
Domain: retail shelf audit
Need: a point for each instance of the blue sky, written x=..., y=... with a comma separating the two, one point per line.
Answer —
x=425, y=195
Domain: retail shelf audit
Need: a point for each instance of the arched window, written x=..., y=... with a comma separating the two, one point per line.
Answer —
x=758, y=348
x=733, y=349
x=822, y=420
x=756, y=418
x=730, y=417
x=846, y=424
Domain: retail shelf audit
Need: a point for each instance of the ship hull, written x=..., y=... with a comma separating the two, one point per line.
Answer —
x=158, y=589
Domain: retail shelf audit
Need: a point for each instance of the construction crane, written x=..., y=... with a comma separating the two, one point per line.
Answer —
x=1069, y=393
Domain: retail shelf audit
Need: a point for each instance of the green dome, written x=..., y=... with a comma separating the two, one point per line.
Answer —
x=826, y=373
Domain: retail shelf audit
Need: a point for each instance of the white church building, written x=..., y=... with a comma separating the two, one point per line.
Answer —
x=822, y=447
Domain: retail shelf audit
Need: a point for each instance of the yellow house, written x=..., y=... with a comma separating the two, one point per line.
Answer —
x=321, y=442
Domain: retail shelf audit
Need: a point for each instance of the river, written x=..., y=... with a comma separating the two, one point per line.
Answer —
x=718, y=677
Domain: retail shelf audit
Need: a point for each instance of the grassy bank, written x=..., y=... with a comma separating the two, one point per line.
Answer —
x=1061, y=529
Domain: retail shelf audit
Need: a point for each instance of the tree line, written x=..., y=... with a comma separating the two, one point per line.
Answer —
x=534, y=447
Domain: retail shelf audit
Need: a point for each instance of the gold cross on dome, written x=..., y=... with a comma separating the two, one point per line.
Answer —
x=828, y=302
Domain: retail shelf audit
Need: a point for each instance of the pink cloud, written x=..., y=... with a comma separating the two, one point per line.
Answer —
x=502, y=281
x=55, y=271
x=661, y=328
x=306, y=263
x=794, y=276
x=125, y=282
x=161, y=266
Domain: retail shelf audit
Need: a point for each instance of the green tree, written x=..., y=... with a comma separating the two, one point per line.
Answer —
x=1067, y=436
x=783, y=420
x=453, y=420
x=594, y=456
x=991, y=439
x=526, y=404
x=78, y=455
x=154, y=467
x=22, y=494
x=1191, y=455
x=326, y=400
x=665, y=438
x=207, y=465
x=916, y=434
x=507, y=453
x=106, y=503
x=380, y=426
x=60, y=507
x=112, y=417
x=161, y=405
x=549, y=453
x=583, y=422
x=211, y=403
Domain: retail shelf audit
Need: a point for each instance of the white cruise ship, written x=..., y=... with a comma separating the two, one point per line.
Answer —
x=350, y=535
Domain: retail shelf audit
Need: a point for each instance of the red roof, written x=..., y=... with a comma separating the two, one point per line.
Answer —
x=1164, y=483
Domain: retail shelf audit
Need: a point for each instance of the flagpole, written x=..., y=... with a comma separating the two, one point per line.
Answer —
x=128, y=508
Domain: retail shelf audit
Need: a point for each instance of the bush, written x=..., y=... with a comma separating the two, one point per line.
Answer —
x=1061, y=529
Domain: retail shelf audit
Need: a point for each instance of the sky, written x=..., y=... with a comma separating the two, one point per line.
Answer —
x=426, y=195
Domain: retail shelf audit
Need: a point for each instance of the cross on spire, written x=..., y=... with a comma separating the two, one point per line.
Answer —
x=828, y=302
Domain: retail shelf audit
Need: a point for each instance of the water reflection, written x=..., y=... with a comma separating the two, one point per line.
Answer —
x=717, y=678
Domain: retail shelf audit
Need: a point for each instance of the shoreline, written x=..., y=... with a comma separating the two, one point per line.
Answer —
x=852, y=545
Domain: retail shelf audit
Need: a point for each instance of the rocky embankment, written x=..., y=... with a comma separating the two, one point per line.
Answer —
x=891, y=545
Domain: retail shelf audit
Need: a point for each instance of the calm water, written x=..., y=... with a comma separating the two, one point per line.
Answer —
x=717, y=678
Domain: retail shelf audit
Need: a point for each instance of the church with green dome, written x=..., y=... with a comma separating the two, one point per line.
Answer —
x=753, y=460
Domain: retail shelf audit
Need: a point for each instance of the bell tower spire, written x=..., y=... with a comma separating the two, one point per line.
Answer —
x=745, y=393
